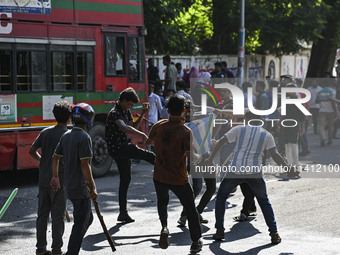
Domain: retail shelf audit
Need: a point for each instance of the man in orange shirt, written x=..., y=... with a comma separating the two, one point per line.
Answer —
x=171, y=139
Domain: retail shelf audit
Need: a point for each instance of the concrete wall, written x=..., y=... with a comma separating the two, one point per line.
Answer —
x=255, y=66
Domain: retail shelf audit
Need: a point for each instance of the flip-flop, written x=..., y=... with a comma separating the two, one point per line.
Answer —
x=241, y=218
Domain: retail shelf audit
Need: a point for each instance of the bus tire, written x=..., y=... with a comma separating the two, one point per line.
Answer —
x=101, y=160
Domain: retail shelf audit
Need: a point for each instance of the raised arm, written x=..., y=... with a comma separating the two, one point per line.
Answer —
x=130, y=129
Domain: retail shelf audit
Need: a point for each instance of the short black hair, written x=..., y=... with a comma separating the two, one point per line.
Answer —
x=261, y=84
x=167, y=58
x=182, y=84
x=246, y=85
x=178, y=64
x=170, y=90
x=176, y=105
x=62, y=111
x=218, y=64
x=129, y=95
x=224, y=63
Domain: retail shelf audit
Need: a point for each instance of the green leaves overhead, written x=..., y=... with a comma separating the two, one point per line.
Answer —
x=212, y=26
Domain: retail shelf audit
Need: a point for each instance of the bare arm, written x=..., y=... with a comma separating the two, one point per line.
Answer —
x=87, y=172
x=276, y=156
x=216, y=149
x=130, y=130
x=55, y=178
x=34, y=153
x=136, y=124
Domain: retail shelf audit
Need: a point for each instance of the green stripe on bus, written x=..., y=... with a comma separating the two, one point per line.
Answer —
x=30, y=112
x=80, y=96
x=96, y=7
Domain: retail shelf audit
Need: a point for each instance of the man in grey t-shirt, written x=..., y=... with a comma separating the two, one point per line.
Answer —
x=75, y=147
x=50, y=201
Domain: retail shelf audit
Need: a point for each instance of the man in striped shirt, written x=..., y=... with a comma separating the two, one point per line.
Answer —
x=251, y=142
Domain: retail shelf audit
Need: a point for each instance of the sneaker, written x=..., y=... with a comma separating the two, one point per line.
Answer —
x=202, y=220
x=219, y=234
x=196, y=246
x=163, y=240
x=182, y=220
x=124, y=217
x=276, y=239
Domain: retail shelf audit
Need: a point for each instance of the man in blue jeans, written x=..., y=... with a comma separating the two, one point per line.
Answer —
x=75, y=147
x=251, y=142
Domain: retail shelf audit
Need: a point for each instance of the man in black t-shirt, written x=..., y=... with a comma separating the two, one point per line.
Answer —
x=119, y=123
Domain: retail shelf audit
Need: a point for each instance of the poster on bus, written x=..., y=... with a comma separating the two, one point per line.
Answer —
x=49, y=102
x=8, y=108
x=26, y=6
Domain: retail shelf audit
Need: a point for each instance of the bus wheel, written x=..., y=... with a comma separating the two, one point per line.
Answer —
x=101, y=161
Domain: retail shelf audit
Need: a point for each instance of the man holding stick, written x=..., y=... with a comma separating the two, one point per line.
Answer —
x=75, y=147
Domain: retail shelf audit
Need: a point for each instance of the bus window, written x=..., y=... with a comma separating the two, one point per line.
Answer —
x=62, y=71
x=5, y=70
x=31, y=71
x=85, y=70
x=114, y=55
x=136, y=60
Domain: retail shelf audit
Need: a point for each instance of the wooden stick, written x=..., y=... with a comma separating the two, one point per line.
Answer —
x=67, y=216
x=101, y=219
x=148, y=121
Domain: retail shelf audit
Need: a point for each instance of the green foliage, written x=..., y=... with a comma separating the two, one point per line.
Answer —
x=212, y=26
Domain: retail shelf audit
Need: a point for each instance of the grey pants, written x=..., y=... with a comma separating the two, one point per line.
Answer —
x=54, y=203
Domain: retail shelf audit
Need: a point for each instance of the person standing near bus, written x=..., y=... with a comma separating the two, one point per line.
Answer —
x=48, y=200
x=119, y=123
x=75, y=147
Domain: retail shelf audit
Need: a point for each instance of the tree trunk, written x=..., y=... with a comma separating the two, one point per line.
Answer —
x=324, y=50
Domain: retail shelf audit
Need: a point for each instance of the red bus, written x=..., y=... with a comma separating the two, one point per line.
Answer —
x=80, y=51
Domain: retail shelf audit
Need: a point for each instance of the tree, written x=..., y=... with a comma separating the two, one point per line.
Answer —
x=275, y=27
x=324, y=49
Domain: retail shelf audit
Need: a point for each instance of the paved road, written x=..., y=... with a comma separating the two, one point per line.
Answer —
x=306, y=210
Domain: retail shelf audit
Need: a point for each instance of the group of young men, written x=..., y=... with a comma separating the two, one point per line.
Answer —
x=65, y=170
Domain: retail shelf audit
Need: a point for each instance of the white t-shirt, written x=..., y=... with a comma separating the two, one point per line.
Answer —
x=251, y=142
x=155, y=107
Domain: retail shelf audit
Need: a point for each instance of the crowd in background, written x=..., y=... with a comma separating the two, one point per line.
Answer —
x=323, y=104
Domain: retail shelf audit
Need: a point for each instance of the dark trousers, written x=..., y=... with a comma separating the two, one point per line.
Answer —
x=185, y=195
x=248, y=201
x=315, y=114
x=197, y=184
x=54, y=203
x=83, y=217
x=123, y=160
